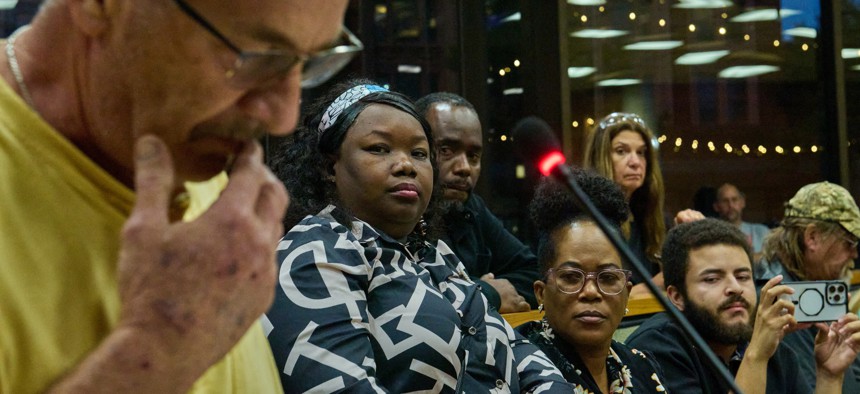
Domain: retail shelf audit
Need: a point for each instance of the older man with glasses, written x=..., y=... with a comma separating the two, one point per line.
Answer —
x=109, y=110
x=817, y=240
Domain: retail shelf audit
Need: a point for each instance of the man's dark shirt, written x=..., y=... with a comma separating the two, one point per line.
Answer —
x=483, y=244
x=686, y=370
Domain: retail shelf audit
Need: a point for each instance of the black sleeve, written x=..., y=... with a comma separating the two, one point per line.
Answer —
x=511, y=259
x=668, y=347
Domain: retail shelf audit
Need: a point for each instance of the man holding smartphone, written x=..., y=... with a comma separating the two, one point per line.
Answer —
x=708, y=271
x=816, y=241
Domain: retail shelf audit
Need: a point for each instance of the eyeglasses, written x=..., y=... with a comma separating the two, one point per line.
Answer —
x=571, y=280
x=256, y=68
x=619, y=117
x=849, y=239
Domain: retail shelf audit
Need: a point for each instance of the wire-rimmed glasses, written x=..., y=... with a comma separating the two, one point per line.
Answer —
x=849, y=239
x=255, y=68
x=568, y=280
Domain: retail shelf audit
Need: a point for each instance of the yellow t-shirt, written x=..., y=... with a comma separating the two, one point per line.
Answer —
x=60, y=220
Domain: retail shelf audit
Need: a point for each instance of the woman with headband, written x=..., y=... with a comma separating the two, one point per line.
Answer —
x=366, y=300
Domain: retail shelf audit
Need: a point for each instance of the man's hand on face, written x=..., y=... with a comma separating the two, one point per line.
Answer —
x=194, y=288
x=511, y=300
x=774, y=318
x=837, y=345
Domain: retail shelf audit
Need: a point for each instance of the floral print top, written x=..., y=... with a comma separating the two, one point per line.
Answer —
x=628, y=370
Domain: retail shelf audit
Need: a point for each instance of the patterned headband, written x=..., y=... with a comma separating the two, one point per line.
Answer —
x=347, y=98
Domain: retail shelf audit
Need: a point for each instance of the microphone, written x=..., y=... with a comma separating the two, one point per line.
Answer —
x=551, y=163
x=533, y=137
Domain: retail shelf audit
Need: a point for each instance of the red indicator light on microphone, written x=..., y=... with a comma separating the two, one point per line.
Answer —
x=549, y=162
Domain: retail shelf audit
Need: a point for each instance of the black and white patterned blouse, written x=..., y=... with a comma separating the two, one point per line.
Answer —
x=358, y=311
x=629, y=371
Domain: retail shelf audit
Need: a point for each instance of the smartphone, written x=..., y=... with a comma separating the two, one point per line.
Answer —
x=819, y=301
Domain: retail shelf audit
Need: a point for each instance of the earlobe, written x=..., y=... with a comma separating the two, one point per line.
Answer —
x=811, y=236
x=91, y=16
x=676, y=297
x=538, y=288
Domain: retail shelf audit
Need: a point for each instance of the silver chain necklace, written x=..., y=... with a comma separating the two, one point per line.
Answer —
x=13, y=65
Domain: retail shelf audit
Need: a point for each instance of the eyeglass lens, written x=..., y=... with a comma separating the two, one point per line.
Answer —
x=255, y=69
x=849, y=239
x=608, y=281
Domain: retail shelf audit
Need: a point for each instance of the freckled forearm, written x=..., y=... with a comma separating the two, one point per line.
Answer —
x=129, y=361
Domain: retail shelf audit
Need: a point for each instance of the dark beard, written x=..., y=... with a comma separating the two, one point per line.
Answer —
x=448, y=207
x=711, y=329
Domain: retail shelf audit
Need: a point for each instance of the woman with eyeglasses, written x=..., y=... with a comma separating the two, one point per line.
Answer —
x=367, y=300
x=584, y=292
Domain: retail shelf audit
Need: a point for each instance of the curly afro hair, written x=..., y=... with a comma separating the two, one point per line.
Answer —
x=553, y=207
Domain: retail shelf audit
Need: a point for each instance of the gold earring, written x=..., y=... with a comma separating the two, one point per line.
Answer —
x=540, y=308
x=626, y=311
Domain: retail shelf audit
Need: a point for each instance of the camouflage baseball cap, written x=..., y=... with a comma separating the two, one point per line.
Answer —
x=828, y=202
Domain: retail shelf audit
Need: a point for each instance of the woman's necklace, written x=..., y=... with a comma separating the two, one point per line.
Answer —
x=13, y=65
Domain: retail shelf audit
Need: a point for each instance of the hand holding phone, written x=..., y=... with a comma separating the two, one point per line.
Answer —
x=819, y=301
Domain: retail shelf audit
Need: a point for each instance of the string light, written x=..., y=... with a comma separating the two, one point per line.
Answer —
x=722, y=31
x=744, y=149
x=583, y=19
x=632, y=16
x=692, y=27
x=662, y=23
x=746, y=37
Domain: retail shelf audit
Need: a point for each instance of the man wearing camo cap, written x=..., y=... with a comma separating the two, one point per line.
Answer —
x=817, y=240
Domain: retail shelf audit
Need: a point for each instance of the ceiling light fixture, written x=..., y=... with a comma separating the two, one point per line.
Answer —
x=515, y=17
x=599, y=33
x=697, y=58
x=586, y=2
x=579, y=72
x=653, y=45
x=703, y=4
x=803, y=32
x=850, y=53
x=619, y=82
x=764, y=15
x=747, y=71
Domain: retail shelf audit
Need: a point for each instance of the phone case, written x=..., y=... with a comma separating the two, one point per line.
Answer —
x=819, y=301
